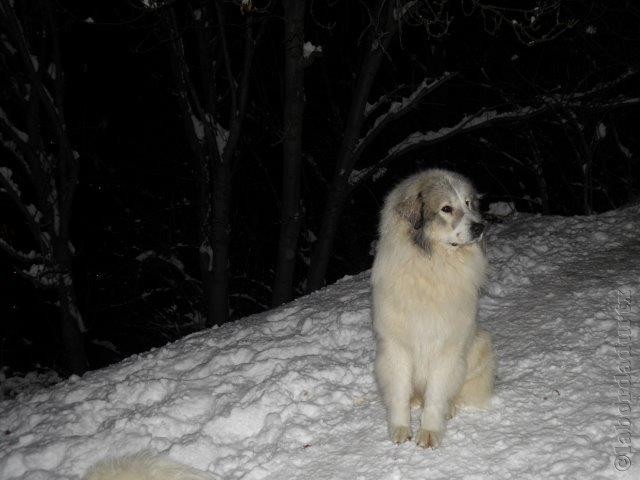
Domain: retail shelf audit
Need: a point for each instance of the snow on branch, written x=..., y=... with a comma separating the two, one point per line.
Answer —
x=599, y=88
x=385, y=98
x=486, y=118
x=15, y=141
x=7, y=185
x=210, y=129
x=309, y=49
x=17, y=134
x=400, y=108
x=172, y=260
x=155, y=4
x=42, y=275
x=401, y=11
x=17, y=255
x=369, y=108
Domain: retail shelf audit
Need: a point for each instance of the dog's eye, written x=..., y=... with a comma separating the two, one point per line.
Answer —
x=447, y=209
x=467, y=203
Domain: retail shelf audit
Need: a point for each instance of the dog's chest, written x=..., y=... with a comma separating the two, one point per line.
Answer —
x=435, y=308
x=422, y=290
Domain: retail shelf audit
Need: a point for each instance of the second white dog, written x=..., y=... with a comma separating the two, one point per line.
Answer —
x=144, y=466
x=426, y=275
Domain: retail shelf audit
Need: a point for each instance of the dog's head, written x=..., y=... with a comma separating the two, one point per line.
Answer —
x=441, y=208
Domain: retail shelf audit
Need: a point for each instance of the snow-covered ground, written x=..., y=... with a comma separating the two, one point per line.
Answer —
x=289, y=394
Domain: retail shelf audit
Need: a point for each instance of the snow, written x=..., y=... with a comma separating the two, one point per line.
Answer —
x=222, y=137
x=198, y=127
x=10, y=384
x=51, y=71
x=290, y=393
x=205, y=249
x=35, y=270
x=145, y=255
x=425, y=85
x=399, y=13
x=18, y=133
x=152, y=4
x=468, y=122
x=625, y=151
x=501, y=209
x=10, y=48
x=309, y=49
x=602, y=130
x=34, y=212
x=7, y=174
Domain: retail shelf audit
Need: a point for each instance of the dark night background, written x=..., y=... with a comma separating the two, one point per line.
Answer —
x=561, y=77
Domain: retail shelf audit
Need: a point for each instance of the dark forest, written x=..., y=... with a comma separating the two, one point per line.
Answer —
x=167, y=166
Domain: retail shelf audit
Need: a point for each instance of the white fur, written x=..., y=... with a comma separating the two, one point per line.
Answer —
x=425, y=302
x=144, y=466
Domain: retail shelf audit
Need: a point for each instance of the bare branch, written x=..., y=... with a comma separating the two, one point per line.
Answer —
x=237, y=113
x=531, y=24
x=193, y=125
x=227, y=58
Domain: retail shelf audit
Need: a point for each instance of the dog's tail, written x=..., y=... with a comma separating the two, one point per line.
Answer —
x=144, y=466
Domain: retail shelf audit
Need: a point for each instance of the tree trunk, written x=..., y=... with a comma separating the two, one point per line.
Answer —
x=75, y=358
x=543, y=189
x=205, y=249
x=214, y=232
x=339, y=189
x=220, y=233
x=71, y=326
x=292, y=150
x=330, y=221
x=212, y=156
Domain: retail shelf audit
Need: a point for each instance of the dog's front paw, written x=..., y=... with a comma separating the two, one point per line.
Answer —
x=428, y=438
x=400, y=434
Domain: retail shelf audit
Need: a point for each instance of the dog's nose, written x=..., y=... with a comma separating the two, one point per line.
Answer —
x=477, y=229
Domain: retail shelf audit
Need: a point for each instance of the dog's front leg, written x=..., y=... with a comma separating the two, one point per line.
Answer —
x=393, y=370
x=443, y=383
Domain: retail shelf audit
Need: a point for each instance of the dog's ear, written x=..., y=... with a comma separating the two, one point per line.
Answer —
x=412, y=209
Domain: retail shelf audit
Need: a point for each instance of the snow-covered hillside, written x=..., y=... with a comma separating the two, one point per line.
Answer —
x=289, y=394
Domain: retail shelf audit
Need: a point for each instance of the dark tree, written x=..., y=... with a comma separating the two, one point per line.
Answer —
x=294, y=16
x=40, y=175
x=213, y=102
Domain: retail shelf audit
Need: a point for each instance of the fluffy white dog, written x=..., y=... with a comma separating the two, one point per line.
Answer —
x=144, y=466
x=429, y=266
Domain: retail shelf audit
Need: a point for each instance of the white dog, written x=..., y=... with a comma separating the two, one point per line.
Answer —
x=426, y=275
x=144, y=466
